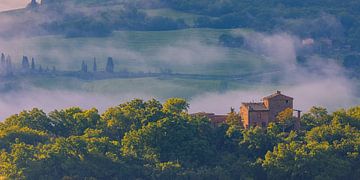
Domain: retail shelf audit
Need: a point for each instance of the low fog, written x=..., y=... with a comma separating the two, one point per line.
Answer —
x=49, y=100
x=320, y=82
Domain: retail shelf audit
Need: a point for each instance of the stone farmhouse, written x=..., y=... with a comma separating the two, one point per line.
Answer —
x=260, y=113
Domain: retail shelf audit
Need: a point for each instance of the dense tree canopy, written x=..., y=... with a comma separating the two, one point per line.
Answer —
x=149, y=140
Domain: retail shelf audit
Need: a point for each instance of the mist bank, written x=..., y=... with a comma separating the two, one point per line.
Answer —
x=317, y=81
x=333, y=93
x=327, y=93
x=49, y=100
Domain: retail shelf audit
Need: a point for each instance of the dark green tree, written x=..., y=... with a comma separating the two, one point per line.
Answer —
x=32, y=64
x=94, y=65
x=110, y=65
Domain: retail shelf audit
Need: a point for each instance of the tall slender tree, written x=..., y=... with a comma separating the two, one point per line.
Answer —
x=234, y=119
x=94, y=65
x=84, y=67
x=32, y=64
x=9, y=70
x=2, y=58
x=2, y=64
x=110, y=65
x=25, y=63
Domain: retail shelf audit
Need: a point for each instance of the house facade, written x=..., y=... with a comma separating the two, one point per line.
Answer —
x=262, y=113
x=259, y=113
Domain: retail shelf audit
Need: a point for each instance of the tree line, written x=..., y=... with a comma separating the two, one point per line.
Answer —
x=6, y=68
x=109, y=66
x=28, y=66
x=152, y=140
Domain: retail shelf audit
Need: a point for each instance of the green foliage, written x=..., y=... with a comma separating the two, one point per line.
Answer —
x=286, y=119
x=170, y=139
x=130, y=116
x=34, y=119
x=317, y=116
x=73, y=121
x=175, y=105
x=329, y=151
x=21, y=134
x=234, y=119
x=257, y=142
x=149, y=140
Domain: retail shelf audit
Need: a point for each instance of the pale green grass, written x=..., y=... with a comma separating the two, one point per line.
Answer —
x=160, y=88
x=138, y=51
x=189, y=18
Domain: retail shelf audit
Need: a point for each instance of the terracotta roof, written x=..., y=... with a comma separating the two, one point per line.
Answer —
x=217, y=119
x=278, y=93
x=203, y=114
x=256, y=106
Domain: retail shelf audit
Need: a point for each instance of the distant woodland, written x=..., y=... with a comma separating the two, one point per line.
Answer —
x=150, y=140
x=334, y=26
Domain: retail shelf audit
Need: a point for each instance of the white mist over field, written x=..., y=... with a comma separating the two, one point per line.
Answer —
x=324, y=84
x=321, y=82
x=49, y=100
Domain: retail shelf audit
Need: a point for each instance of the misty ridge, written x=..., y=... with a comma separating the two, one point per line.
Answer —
x=302, y=55
x=82, y=19
x=77, y=18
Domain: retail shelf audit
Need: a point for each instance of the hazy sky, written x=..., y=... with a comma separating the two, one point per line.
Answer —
x=12, y=4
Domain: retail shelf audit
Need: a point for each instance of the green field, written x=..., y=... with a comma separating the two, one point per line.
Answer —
x=189, y=18
x=145, y=51
x=159, y=88
x=187, y=51
x=193, y=51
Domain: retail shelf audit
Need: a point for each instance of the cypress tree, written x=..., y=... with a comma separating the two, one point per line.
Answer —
x=94, y=65
x=8, y=63
x=2, y=58
x=84, y=67
x=110, y=65
x=25, y=63
x=3, y=63
x=32, y=64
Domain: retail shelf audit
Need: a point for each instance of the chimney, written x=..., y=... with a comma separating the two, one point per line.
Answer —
x=278, y=92
x=297, y=121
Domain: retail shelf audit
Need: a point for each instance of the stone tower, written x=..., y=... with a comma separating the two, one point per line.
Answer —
x=277, y=103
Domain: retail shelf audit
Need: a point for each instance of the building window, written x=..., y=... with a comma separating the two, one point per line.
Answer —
x=255, y=124
x=287, y=102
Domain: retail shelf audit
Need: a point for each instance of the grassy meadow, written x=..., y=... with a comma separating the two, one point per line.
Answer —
x=190, y=51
